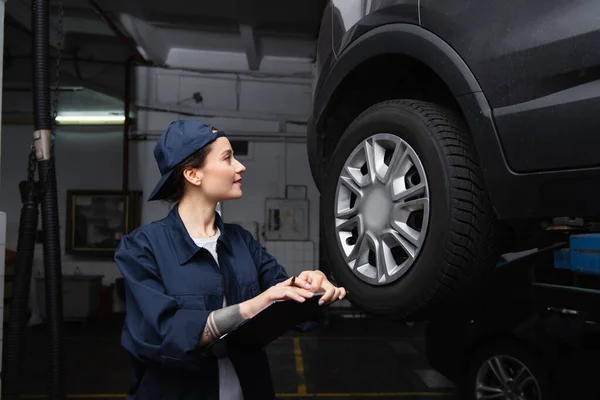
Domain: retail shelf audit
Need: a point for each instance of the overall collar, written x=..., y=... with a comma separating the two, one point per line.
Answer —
x=184, y=245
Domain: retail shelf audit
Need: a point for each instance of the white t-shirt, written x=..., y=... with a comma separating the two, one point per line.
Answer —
x=229, y=384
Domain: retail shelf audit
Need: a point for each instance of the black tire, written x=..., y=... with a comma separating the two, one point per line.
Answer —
x=533, y=361
x=459, y=246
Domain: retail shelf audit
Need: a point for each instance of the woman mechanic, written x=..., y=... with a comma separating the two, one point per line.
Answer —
x=190, y=278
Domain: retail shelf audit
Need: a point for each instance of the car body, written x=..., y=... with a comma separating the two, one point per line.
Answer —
x=496, y=104
x=526, y=76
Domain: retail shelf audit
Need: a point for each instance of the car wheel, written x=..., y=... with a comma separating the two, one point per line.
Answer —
x=407, y=224
x=508, y=371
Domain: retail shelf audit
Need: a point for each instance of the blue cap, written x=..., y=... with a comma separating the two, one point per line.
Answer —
x=181, y=139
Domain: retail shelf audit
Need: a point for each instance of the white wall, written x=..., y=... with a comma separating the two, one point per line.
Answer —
x=269, y=168
x=265, y=111
x=91, y=158
x=247, y=97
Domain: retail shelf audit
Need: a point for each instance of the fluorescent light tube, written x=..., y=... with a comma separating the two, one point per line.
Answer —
x=90, y=119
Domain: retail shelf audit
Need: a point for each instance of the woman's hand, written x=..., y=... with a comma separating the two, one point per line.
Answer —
x=226, y=319
x=319, y=283
x=281, y=291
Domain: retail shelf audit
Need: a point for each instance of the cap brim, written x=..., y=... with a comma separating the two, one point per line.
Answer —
x=159, y=193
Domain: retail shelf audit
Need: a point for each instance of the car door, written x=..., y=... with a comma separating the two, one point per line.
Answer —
x=538, y=64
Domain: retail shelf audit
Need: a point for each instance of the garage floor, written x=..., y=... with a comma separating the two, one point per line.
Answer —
x=349, y=359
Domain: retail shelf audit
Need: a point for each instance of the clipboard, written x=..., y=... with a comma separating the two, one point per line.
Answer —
x=272, y=322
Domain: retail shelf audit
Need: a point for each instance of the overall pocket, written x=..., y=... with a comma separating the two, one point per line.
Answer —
x=190, y=301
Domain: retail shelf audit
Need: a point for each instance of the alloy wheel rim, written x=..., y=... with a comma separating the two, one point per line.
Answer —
x=507, y=378
x=381, y=209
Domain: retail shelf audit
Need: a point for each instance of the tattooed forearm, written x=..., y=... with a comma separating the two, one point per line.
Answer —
x=221, y=322
x=226, y=319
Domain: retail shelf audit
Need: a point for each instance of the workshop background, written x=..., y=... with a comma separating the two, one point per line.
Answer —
x=243, y=67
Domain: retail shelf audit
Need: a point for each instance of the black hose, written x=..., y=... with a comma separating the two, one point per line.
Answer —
x=13, y=347
x=47, y=177
x=52, y=269
x=41, y=81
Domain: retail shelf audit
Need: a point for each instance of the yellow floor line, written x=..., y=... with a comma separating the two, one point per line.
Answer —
x=299, y=367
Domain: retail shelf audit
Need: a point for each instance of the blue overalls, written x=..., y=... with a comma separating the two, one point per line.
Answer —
x=171, y=287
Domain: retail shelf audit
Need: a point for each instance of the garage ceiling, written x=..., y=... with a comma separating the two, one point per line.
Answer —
x=269, y=37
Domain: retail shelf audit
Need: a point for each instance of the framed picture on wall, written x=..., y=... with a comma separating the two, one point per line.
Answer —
x=98, y=219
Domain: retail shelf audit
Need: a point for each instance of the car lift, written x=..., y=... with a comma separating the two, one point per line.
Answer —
x=566, y=275
x=575, y=277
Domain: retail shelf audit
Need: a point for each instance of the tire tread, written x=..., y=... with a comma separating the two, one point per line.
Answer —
x=472, y=248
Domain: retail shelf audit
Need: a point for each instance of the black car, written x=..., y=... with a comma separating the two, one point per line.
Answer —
x=523, y=339
x=445, y=133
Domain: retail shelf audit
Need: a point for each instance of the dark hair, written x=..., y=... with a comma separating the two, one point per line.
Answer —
x=175, y=186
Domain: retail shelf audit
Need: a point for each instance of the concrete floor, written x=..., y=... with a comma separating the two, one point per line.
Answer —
x=347, y=359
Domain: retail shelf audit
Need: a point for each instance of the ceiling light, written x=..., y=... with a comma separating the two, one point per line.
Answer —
x=90, y=119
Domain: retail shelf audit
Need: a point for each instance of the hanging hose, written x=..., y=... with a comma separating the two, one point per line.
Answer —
x=47, y=176
x=41, y=79
x=53, y=273
x=13, y=348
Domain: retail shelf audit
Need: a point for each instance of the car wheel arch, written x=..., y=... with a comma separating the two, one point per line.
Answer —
x=399, y=40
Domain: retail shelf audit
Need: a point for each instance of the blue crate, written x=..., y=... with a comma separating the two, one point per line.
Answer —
x=562, y=259
x=583, y=254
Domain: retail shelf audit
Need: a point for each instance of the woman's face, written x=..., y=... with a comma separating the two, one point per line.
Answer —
x=221, y=177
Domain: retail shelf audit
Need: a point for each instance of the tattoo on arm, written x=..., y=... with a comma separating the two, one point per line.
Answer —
x=220, y=322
